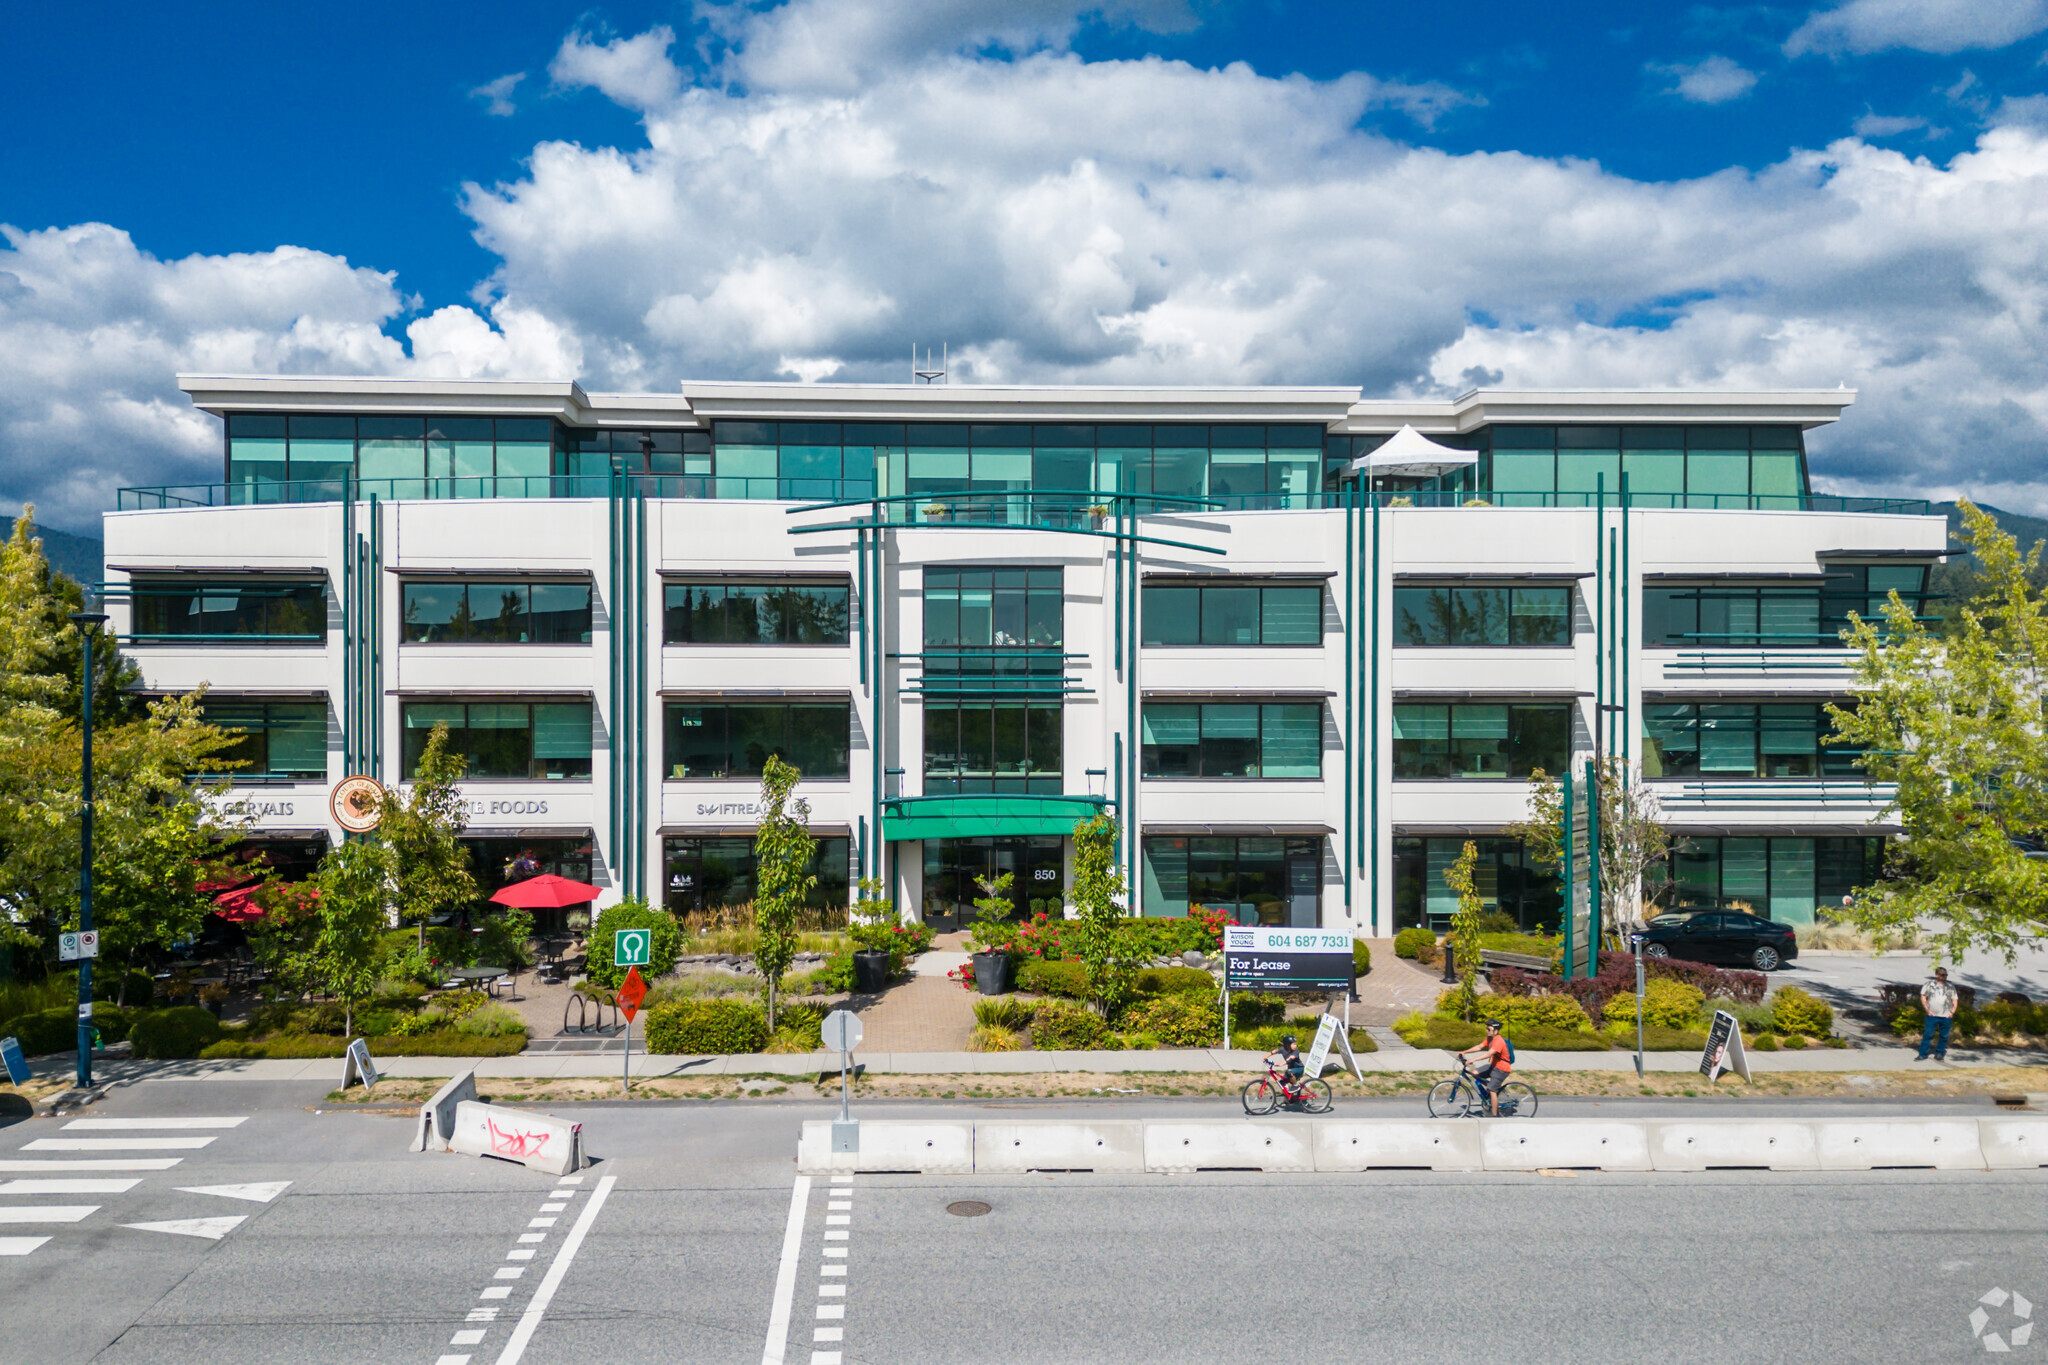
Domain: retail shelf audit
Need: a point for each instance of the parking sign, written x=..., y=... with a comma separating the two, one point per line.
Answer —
x=633, y=947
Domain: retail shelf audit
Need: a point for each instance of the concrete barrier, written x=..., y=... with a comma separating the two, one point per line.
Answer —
x=1538, y=1144
x=436, y=1128
x=541, y=1141
x=1706, y=1144
x=889, y=1145
x=1865, y=1144
x=1243, y=1144
x=1048, y=1146
x=1398, y=1144
x=2013, y=1144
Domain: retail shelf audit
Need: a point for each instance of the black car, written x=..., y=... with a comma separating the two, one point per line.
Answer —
x=1723, y=937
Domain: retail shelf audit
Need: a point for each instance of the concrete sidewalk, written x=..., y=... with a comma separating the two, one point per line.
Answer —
x=551, y=1066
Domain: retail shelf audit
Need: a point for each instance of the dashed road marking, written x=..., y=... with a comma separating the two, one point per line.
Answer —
x=530, y=1320
x=830, y=1317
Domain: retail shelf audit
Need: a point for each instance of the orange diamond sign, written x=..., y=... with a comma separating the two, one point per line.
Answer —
x=632, y=993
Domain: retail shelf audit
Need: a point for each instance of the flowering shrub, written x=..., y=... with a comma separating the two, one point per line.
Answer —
x=1618, y=977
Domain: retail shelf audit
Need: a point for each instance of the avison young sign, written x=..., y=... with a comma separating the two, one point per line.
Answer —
x=1257, y=958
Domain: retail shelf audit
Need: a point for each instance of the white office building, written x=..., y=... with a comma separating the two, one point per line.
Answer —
x=1302, y=645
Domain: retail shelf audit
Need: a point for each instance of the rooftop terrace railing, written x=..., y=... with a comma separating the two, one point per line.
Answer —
x=1009, y=506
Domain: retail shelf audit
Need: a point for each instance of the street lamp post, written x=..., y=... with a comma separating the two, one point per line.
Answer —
x=88, y=623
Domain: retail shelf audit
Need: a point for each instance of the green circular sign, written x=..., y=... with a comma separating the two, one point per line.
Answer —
x=633, y=947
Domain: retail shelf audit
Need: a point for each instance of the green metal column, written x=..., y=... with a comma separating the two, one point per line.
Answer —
x=1133, y=750
x=348, y=627
x=613, y=719
x=375, y=585
x=1344, y=863
x=878, y=642
x=640, y=689
x=1372, y=585
x=1628, y=701
x=1599, y=611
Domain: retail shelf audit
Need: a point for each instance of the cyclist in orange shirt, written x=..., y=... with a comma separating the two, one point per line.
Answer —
x=1491, y=1064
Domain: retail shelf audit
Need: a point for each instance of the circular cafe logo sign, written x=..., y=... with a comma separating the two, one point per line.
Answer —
x=356, y=804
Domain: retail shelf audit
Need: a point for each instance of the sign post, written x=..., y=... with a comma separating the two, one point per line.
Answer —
x=842, y=1034
x=1636, y=942
x=631, y=992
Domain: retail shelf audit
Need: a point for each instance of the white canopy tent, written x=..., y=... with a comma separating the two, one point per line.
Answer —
x=1411, y=455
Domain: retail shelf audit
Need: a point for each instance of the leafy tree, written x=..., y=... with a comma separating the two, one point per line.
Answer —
x=423, y=829
x=1465, y=929
x=1633, y=840
x=1955, y=726
x=663, y=941
x=783, y=848
x=355, y=882
x=1105, y=951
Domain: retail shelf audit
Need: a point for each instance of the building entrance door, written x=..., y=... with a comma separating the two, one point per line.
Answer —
x=954, y=867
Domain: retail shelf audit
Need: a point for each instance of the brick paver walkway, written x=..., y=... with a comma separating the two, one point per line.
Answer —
x=1394, y=987
x=925, y=1014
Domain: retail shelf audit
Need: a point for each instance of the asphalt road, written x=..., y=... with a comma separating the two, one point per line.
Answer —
x=375, y=1254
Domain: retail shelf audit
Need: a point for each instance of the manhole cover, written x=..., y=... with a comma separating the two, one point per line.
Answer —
x=967, y=1208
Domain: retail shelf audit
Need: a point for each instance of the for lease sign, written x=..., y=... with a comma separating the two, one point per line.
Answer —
x=1259, y=958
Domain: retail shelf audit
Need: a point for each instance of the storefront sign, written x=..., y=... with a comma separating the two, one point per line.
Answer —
x=357, y=804
x=522, y=806
x=249, y=808
x=749, y=809
x=1258, y=958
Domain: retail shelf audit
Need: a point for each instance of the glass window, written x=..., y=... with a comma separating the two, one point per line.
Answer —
x=1172, y=738
x=392, y=448
x=547, y=741
x=1524, y=471
x=1291, y=740
x=1656, y=478
x=1290, y=616
x=739, y=612
x=323, y=448
x=1255, y=880
x=981, y=621
x=255, y=609
x=1452, y=614
x=703, y=874
x=445, y=611
x=1504, y=877
x=1735, y=615
x=256, y=452
x=1742, y=740
x=1232, y=740
x=1173, y=616
x=1586, y=471
x=1480, y=739
x=1712, y=477
x=277, y=739
x=1671, y=743
x=975, y=748
x=709, y=740
x=1231, y=615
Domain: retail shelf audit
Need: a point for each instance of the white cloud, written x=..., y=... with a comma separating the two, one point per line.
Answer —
x=1876, y=125
x=1715, y=80
x=497, y=95
x=1925, y=25
x=1057, y=220
x=634, y=72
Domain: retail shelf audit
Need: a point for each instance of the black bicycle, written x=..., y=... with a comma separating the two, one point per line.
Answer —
x=1464, y=1096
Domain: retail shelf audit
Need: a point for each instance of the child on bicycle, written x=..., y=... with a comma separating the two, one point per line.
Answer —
x=1288, y=1055
x=1491, y=1065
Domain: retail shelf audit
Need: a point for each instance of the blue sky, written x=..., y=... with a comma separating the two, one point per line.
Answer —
x=1409, y=197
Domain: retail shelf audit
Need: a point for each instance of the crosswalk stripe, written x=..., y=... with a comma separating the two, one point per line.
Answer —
x=145, y=1144
x=261, y=1192
x=20, y=1246
x=212, y=1229
x=67, y=1186
x=46, y=1213
x=140, y=1163
x=118, y=1125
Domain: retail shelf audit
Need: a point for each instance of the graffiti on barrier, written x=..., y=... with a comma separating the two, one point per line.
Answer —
x=516, y=1144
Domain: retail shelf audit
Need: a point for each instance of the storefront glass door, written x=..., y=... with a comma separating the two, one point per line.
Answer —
x=952, y=868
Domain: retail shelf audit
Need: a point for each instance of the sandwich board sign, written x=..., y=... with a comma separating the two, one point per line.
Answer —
x=357, y=1064
x=1724, y=1049
x=1330, y=1031
x=633, y=947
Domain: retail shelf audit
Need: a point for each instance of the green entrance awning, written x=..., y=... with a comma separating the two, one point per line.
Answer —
x=978, y=817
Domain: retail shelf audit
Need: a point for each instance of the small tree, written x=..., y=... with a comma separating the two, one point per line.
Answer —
x=1955, y=726
x=1465, y=929
x=355, y=882
x=1103, y=948
x=1633, y=839
x=423, y=830
x=783, y=849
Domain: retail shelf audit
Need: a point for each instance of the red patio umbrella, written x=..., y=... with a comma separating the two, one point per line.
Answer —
x=237, y=906
x=546, y=892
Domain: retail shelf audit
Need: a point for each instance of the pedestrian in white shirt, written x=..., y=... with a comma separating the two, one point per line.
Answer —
x=1938, y=999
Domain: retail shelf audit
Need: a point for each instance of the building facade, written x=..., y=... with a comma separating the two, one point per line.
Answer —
x=1301, y=674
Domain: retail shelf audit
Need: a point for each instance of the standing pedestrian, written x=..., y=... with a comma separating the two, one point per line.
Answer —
x=1938, y=1000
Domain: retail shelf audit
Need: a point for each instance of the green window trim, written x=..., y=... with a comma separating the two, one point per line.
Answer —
x=1476, y=614
x=494, y=611
x=755, y=611
x=1742, y=742
x=993, y=748
x=280, y=740
x=228, y=611
x=709, y=872
x=1480, y=741
x=1256, y=879
x=1232, y=615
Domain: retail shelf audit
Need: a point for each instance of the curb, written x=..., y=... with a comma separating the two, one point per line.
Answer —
x=1013, y=1147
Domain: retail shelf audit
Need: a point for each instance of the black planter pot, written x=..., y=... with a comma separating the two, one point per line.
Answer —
x=870, y=972
x=992, y=973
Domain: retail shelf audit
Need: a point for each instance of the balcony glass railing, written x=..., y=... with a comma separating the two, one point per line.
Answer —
x=981, y=506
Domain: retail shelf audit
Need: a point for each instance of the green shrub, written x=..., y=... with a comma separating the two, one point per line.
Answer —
x=1757, y=1018
x=1795, y=1011
x=44, y=1032
x=1004, y=1012
x=1177, y=1020
x=834, y=978
x=1067, y=977
x=2008, y=1018
x=633, y=914
x=993, y=1038
x=446, y=1043
x=1795, y=1040
x=1175, y=981
x=1560, y=1013
x=1666, y=1004
x=1361, y=957
x=491, y=1021
x=1657, y=1037
x=798, y=1028
x=1454, y=1035
x=707, y=1026
x=1765, y=1042
x=1414, y=944
x=182, y=1031
x=1063, y=1027
x=1267, y=1037
x=1256, y=1008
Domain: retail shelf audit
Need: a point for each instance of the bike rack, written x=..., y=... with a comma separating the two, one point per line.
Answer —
x=589, y=1010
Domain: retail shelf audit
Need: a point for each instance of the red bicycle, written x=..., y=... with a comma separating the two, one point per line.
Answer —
x=1310, y=1093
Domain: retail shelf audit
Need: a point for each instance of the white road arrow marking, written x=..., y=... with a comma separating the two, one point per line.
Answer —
x=260, y=1193
x=212, y=1229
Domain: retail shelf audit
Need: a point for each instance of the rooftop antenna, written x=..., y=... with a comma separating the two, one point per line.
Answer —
x=928, y=374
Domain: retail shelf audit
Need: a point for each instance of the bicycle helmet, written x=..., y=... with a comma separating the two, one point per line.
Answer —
x=1288, y=1040
x=1493, y=1023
